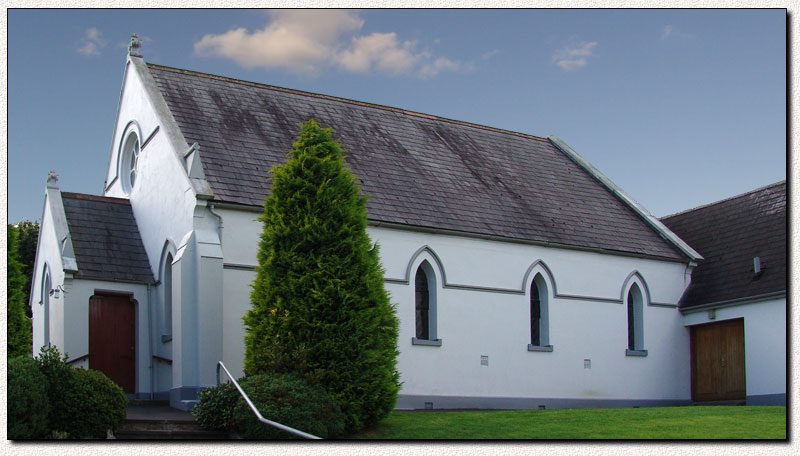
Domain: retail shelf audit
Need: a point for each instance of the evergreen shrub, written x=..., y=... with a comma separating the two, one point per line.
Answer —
x=214, y=409
x=288, y=400
x=18, y=324
x=58, y=375
x=97, y=405
x=27, y=400
x=83, y=404
x=319, y=307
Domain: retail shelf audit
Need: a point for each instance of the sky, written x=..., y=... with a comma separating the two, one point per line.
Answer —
x=679, y=108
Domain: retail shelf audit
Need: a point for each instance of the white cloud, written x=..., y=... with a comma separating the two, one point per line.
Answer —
x=573, y=56
x=381, y=50
x=92, y=42
x=671, y=32
x=430, y=70
x=309, y=41
x=666, y=32
x=490, y=54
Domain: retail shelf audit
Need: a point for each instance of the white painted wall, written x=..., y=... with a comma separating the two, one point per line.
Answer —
x=163, y=199
x=236, y=303
x=764, y=342
x=473, y=323
x=47, y=255
x=167, y=210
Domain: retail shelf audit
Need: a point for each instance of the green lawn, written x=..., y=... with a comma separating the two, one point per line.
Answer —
x=699, y=422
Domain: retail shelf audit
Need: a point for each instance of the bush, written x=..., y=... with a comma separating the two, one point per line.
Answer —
x=27, y=400
x=83, y=404
x=319, y=308
x=290, y=401
x=97, y=405
x=58, y=375
x=214, y=409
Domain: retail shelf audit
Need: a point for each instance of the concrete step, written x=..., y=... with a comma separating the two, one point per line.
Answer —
x=156, y=420
x=165, y=429
x=170, y=435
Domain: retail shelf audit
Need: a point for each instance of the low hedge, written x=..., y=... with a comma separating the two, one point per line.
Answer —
x=78, y=403
x=281, y=398
x=98, y=402
x=290, y=401
x=58, y=374
x=214, y=409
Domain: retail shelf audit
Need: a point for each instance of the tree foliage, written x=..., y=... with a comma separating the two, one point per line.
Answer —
x=291, y=401
x=28, y=406
x=83, y=403
x=28, y=234
x=18, y=324
x=319, y=308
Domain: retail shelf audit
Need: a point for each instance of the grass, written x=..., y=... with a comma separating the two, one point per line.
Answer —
x=706, y=422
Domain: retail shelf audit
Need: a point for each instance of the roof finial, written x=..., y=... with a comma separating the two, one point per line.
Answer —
x=52, y=178
x=133, y=48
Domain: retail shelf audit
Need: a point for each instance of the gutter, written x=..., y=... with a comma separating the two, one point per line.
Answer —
x=734, y=302
x=446, y=232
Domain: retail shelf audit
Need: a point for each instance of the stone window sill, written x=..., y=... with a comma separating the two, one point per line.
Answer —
x=629, y=352
x=431, y=343
x=540, y=348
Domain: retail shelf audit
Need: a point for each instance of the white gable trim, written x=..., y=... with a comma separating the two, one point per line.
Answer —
x=186, y=155
x=61, y=229
x=656, y=224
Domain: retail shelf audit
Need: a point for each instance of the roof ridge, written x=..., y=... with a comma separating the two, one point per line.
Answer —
x=346, y=100
x=703, y=206
x=103, y=199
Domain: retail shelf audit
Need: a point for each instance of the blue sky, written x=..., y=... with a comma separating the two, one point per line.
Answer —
x=678, y=107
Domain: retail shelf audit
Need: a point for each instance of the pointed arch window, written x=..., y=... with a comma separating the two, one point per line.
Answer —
x=167, y=315
x=46, y=286
x=536, y=316
x=425, y=306
x=422, y=305
x=634, y=303
x=539, y=316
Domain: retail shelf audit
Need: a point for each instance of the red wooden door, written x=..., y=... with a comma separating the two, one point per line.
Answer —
x=718, y=365
x=112, y=339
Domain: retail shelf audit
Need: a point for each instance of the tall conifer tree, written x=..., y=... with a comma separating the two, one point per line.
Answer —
x=319, y=308
x=18, y=324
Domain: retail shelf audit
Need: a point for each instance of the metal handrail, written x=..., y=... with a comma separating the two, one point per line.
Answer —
x=280, y=426
x=80, y=358
x=162, y=359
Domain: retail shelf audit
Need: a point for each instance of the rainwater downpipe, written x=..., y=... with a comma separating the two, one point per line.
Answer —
x=216, y=214
x=150, y=341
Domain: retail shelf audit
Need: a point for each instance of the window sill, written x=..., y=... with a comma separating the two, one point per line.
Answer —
x=166, y=338
x=540, y=348
x=431, y=343
x=629, y=352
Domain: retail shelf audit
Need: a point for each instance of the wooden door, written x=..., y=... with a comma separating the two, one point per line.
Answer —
x=718, y=365
x=112, y=339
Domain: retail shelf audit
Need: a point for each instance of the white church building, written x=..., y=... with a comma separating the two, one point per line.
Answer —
x=521, y=276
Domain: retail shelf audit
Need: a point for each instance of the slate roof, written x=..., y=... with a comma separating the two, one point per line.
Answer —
x=105, y=238
x=729, y=234
x=420, y=170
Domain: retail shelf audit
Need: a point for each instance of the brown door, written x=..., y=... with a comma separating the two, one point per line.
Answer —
x=112, y=339
x=718, y=369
